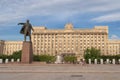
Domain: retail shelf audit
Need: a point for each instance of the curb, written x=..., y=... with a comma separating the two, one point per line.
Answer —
x=31, y=71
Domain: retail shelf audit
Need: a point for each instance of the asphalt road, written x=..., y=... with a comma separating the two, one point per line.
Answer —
x=59, y=72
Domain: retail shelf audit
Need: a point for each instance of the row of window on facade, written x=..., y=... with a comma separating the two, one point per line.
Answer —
x=48, y=40
x=9, y=51
x=68, y=37
x=72, y=41
x=65, y=34
x=55, y=51
x=12, y=47
x=65, y=48
x=14, y=44
x=68, y=44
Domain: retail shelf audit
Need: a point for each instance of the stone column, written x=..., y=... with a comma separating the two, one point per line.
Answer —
x=89, y=61
x=95, y=61
x=119, y=61
x=18, y=60
x=27, y=52
x=12, y=60
x=101, y=61
x=113, y=61
x=6, y=60
x=1, y=61
x=107, y=61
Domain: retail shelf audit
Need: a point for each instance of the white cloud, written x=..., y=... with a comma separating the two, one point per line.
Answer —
x=104, y=5
x=14, y=10
x=114, y=37
x=108, y=18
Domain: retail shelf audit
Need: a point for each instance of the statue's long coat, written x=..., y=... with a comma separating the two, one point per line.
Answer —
x=26, y=29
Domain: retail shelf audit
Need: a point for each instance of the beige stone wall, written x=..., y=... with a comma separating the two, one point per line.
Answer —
x=12, y=46
x=113, y=47
x=69, y=40
x=1, y=46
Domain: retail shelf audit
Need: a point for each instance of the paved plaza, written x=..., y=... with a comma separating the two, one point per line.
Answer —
x=59, y=72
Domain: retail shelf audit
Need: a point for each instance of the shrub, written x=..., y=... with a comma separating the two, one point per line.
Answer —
x=44, y=58
x=70, y=59
x=2, y=56
x=16, y=55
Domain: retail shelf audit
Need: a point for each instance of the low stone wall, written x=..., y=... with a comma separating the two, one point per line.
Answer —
x=9, y=61
x=95, y=61
x=101, y=61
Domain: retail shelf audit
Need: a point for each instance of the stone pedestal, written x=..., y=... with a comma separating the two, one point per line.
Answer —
x=95, y=61
x=12, y=60
x=113, y=61
x=101, y=61
x=89, y=61
x=1, y=61
x=18, y=60
x=107, y=61
x=119, y=61
x=27, y=52
x=6, y=60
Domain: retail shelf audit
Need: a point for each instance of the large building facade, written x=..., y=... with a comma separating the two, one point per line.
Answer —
x=1, y=46
x=113, y=47
x=8, y=47
x=67, y=41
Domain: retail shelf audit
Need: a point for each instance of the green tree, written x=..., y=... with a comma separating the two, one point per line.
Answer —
x=92, y=54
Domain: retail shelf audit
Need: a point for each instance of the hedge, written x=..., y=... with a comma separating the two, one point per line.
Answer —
x=70, y=59
x=44, y=58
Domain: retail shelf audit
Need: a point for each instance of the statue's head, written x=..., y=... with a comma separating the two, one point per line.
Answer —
x=27, y=21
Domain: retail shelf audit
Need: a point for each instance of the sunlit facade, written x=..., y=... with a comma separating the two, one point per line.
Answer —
x=8, y=47
x=66, y=41
x=69, y=40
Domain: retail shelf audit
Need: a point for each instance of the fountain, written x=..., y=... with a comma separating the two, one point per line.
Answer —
x=59, y=59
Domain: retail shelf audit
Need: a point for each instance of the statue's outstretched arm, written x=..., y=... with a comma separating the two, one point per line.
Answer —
x=21, y=23
x=31, y=27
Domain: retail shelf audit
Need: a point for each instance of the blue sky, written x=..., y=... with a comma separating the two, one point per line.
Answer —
x=54, y=14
